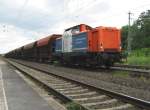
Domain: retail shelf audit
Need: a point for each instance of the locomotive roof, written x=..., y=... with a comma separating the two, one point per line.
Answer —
x=76, y=26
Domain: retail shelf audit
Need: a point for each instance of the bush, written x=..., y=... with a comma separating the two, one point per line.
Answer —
x=141, y=52
x=139, y=57
x=73, y=106
x=140, y=60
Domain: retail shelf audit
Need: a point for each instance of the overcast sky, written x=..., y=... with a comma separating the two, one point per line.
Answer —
x=24, y=21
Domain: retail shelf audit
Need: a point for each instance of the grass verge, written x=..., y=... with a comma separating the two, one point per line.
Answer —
x=120, y=74
x=139, y=57
x=141, y=60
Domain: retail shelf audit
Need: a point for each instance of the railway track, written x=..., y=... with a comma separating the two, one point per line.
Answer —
x=88, y=96
x=133, y=66
x=136, y=70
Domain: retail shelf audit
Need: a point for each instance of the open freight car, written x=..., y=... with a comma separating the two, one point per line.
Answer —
x=29, y=51
x=19, y=53
x=45, y=47
x=10, y=54
x=84, y=45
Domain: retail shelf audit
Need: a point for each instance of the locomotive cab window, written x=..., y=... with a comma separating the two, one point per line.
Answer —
x=88, y=28
x=73, y=30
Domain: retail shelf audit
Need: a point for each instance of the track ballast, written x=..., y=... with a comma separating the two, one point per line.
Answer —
x=88, y=96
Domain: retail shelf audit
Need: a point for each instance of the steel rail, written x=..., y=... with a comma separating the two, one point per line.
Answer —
x=125, y=98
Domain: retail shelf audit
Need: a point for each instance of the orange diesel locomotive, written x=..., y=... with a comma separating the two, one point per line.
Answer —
x=85, y=45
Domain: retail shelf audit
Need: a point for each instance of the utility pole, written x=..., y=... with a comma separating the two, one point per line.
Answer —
x=129, y=33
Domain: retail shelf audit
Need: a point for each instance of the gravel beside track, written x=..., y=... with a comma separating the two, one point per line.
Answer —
x=87, y=97
x=131, y=86
x=134, y=71
x=133, y=66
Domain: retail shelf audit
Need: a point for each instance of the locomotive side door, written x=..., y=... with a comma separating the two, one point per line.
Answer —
x=93, y=41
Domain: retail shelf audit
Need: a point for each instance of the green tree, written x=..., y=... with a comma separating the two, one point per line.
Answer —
x=140, y=32
x=124, y=34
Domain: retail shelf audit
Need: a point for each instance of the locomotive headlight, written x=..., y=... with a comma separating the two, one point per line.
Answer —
x=120, y=47
x=101, y=46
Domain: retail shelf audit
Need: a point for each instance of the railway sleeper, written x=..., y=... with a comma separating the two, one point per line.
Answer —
x=56, y=82
x=83, y=95
x=92, y=99
x=53, y=80
x=122, y=107
x=73, y=88
x=103, y=104
x=75, y=91
x=60, y=84
x=64, y=87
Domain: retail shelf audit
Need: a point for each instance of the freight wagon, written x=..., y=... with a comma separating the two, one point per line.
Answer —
x=45, y=47
x=29, y=51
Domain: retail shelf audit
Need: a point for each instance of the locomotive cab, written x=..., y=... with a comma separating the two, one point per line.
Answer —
x=79, y=28
x=70, y=33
